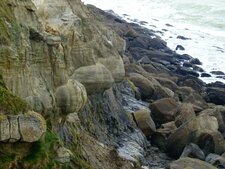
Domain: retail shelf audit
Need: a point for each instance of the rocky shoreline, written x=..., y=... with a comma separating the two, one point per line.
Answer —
x=180, y=103
x=80, y=88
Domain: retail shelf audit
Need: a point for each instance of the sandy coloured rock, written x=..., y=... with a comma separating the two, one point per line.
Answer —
x=71, y=97
x=95, y=78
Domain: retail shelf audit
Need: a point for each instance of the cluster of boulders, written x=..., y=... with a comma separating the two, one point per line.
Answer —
x=183, y=118
x=179, y=119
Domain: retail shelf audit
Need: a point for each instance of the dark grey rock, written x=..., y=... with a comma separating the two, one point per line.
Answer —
x=217, y=72
x=193, y=150
x=216, y=95
x=187, y=64
x=186, y=71
x=205, y=75
x=195, y=61
x=183, y=38
x=183, y=57
x=197, y=68
x=180, y=47
x=169, y=25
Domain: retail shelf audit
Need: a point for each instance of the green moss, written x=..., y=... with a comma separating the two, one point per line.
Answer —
x=43, y=149
x=132, y=86
x=4, y=160
x=10, y=103
x=40, y=155
x=78, y=159
x=6, y=16
x=43, y=155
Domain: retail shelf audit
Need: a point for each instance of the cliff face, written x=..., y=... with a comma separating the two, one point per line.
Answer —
x=54, y=55
x=46, y=43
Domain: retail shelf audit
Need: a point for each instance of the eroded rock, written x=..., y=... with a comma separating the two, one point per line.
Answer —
x=95, y=78
x=193, y=151
x=189, y=163
x=164, y=110
x=145, y=86
x=14, y=129
x=32, y=126
x=202, y=130
x=4, y=128
x=144, y=122
x=71, y=97
x=28, y=127
x=185, y=113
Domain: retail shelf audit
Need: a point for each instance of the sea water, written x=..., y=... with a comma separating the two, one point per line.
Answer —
x=203, y=22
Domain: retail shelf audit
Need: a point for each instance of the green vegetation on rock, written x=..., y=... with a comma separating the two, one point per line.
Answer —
x=42, y=154
x=6, y=160
x=6, y=16
x=10, y=103
x=78, y=160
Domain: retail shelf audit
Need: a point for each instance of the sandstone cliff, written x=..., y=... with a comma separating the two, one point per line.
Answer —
x=53, y=55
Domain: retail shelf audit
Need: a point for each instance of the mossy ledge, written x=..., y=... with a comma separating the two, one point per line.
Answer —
x=11, y=104
x=6, y=16
x=43, y=153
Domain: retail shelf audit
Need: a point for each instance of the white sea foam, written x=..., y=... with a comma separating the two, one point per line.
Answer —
x=202, y=21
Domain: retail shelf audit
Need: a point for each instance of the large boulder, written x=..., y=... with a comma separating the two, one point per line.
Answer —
x=31, y=126
x=193, y=82
x=71, y=97
x=192, y=150
x=144, y=122
x=95, y=78
x=115, y=66
x=189, y=163
x=28, y=127
x=201, y=130
x=149, y=87
x=160, y=91
x=159, y=138
x=145, y=86
x=188, y=95
x=185, y=113
x=155, y=68
x=133, y=68
x=215, y=95
x=187, y=72
x=164, y=110
x=167, y=83
x=219, y=113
